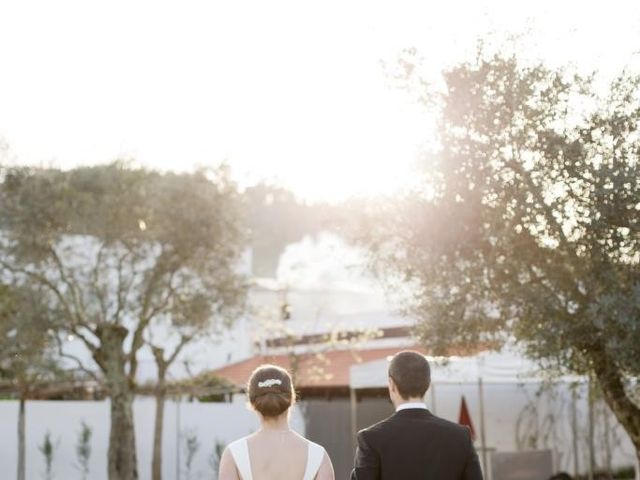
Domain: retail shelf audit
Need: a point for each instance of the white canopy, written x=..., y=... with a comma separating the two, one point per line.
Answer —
x=493, y=367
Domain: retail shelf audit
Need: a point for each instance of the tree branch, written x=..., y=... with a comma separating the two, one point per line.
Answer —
x=185, y=339
x=612, y=385
x=88, y=343
x=146, y=317
x=164, y=364
x=77, y=301
x=95, y=282
x=47, y=283
x=75, y=359
x=516, y=166
x=123, y=287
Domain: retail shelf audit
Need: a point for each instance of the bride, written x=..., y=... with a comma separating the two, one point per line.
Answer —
x=274, y=452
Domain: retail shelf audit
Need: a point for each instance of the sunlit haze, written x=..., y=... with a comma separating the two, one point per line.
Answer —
x=291, y=92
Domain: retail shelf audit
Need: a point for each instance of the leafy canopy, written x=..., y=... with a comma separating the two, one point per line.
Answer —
x=526, y=225
x=125, y=248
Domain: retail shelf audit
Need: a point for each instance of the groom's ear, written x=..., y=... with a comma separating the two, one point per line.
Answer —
x=392, y=385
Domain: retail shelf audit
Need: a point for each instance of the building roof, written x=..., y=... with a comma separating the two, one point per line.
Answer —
x=508, y=366
x=311, y=370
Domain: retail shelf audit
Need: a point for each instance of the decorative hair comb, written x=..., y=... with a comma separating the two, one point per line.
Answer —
x=269, y=383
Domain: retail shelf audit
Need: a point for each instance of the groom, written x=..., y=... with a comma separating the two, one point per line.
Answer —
x=414, y=444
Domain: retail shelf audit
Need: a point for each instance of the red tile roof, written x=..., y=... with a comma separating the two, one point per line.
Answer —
x=328, y=369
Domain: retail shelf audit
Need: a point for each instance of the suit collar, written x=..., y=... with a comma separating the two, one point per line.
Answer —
x=413, y=413
x=410, y=405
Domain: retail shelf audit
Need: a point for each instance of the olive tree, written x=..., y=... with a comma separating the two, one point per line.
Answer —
x=28, y=358
x=120, y=251
x=526, y=223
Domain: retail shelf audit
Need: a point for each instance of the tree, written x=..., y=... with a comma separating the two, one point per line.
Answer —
x=83, y=449
x=277, y=218
x=27, y=355
x=215, y=456
x=201, y=317
x=48, y=450
x=526, y=226
x=120, y=251
x=192, y=445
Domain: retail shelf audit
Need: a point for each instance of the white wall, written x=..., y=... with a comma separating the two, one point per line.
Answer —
x=209, y=421
x=225, y=422
x=542, y=415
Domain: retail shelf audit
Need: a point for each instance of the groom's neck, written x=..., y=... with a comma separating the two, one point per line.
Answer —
x=402, y=401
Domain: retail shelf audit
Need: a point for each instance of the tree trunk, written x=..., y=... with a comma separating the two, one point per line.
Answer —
x=122, y=444
x=613, y=390
x=122, y=461
x=161, y=395
x=21, y=440
x=156, y=462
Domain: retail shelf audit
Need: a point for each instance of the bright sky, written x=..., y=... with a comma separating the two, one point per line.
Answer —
x=292, y=91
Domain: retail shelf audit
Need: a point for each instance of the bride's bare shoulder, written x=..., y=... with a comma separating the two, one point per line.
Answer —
x=300, y=438
x=228, y=469
x=325, y=472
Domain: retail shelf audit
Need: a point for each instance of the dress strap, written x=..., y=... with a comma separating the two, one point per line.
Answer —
x=315, y=455
x=240, y=452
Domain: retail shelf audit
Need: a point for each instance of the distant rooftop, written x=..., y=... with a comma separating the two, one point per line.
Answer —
x=314, y=371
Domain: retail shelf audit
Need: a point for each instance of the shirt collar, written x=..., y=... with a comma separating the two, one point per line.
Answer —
x=408, y=405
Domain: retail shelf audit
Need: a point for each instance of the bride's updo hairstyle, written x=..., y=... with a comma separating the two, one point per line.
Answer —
x=270, y=390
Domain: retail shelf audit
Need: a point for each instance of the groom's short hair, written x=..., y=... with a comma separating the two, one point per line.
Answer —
x=411, y=373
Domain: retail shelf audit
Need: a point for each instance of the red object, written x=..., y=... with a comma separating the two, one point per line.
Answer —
x=465, y=418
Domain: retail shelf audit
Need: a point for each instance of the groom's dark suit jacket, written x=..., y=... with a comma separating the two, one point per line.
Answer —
x=414, y=444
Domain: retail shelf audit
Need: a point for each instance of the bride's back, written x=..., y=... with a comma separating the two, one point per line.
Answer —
x=277, y=455
x=275, y=452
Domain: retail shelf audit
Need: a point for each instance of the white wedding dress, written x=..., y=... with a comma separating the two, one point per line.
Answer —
x=240, y=452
